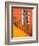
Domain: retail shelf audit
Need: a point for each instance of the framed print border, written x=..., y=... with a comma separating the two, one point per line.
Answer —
x=7, y=26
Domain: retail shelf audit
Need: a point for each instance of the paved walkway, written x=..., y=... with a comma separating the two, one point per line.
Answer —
x=18, y=32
